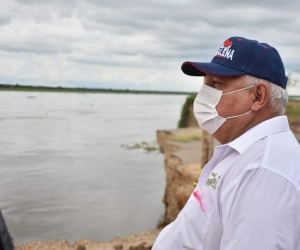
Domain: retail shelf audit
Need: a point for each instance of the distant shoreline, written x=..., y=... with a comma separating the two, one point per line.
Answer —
x=295, y=97
x=28, y=88
x=17, y=87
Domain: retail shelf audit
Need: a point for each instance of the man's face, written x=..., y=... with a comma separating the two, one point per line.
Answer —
x=232, y=104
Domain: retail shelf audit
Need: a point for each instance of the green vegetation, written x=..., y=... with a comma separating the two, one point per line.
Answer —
x=185, y=111
x=186, y=136
x=149, y=147
x=293, y=114
x=293, y=109
x=17, y=87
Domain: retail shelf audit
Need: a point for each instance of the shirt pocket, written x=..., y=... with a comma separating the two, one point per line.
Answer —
x=195, y=220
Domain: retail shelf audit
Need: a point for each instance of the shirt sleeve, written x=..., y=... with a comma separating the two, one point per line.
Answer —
x=262, y=213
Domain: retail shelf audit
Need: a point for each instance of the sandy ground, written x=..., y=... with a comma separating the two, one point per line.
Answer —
x=141, y=241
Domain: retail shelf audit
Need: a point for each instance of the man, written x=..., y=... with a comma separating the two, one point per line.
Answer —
x=248, y=195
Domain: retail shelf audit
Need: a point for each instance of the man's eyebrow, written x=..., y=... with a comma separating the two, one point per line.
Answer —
x=220, y=79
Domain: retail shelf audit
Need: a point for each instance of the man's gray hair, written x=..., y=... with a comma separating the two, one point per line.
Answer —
x=278, y=95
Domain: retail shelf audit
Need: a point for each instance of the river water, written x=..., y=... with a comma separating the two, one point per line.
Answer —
x=64, y=173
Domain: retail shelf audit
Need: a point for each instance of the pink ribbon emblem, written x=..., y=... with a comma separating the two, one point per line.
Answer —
x=198, y=198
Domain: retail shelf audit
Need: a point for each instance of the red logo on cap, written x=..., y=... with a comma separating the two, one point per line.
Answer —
x=227, y=43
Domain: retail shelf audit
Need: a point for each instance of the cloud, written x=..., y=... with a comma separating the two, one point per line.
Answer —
x=82, y=42
x=36, y=44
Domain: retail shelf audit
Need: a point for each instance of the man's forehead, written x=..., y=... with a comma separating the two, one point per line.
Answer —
x=223, y=79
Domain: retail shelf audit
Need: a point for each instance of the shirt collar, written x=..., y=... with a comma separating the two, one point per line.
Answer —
x=266, y=128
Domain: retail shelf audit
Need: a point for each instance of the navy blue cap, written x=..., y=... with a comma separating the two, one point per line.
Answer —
x=241, y=56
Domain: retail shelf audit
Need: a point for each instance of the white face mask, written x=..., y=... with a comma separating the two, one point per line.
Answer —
x=205, y=108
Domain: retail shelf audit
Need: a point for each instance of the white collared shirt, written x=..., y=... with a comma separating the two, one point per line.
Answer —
x=247, y=197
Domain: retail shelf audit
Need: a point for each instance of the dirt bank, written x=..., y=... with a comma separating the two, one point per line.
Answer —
x=181, y=148
x=139, y=241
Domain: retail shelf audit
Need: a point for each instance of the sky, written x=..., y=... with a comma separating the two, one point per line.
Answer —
x=134, y=44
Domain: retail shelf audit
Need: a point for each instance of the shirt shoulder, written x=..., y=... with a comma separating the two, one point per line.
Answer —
x=282, y=156
x=278, y=153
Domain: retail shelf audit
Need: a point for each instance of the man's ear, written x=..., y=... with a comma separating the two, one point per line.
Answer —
x=261, y=92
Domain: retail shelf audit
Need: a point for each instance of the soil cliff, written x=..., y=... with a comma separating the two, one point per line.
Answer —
x=181, y=148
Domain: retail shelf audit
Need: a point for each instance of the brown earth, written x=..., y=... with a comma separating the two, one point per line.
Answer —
x=182, y=170
x=141, y=241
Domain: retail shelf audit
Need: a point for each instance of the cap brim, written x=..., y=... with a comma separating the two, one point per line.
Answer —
x=201, y=69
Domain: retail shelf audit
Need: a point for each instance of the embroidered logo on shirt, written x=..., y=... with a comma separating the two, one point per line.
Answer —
x=213, y=181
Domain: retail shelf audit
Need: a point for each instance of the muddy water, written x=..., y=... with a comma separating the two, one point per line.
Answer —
x=63, y=172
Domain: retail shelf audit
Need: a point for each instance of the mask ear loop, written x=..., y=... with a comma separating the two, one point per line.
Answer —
x=235, y=116
x=238, y=90
x=230, y=117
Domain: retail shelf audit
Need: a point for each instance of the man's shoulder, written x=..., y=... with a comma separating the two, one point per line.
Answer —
x=282, y=156
x=278, y=153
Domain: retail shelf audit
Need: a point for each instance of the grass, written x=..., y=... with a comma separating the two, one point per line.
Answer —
x=186, y=136
x=149, y=147
x=293, y=114
x=293, y=109
x=185, y=113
